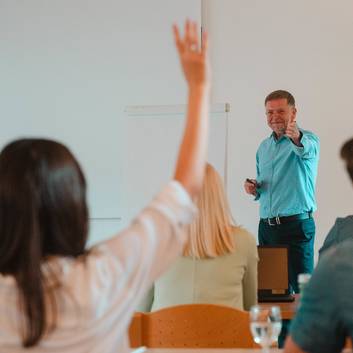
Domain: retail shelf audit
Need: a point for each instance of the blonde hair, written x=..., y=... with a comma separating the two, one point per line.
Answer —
x=211, y=234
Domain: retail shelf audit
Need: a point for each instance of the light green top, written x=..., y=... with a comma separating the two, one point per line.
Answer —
x=227, y=280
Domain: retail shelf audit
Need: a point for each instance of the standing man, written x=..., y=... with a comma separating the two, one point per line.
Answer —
x=286, y=164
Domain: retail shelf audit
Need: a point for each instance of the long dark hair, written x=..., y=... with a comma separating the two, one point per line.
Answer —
x=43, y=213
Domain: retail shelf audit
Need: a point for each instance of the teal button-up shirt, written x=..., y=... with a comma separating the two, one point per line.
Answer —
x=286, y=175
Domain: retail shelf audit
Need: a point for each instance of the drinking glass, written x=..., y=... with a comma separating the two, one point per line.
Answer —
x=265, y=325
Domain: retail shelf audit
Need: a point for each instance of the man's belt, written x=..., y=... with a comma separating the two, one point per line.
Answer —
x=285, y=219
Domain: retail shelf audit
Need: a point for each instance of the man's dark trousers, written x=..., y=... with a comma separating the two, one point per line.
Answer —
x=299, y=235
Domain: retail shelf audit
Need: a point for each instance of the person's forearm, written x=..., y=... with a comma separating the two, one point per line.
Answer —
x=193, y=151
x=297, y=141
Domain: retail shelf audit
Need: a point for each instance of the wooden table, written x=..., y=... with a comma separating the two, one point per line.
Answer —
x=207, y=350
x=213, y=350
x=288, y=309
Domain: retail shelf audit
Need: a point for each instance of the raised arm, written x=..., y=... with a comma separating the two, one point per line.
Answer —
x=190, y=166
x=156, y=237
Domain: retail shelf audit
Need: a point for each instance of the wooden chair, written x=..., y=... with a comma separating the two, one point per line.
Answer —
x=192, y=326
x=135, y=330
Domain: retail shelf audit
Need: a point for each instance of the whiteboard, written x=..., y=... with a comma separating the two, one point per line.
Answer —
x=153, y=135
x=68, y=69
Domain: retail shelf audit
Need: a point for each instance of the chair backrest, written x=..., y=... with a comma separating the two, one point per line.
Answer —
x=135, y=330
x=192, y=326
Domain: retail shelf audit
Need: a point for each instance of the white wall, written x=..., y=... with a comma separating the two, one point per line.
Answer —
x=152, y=137
x=68, y=69
x=305, y=47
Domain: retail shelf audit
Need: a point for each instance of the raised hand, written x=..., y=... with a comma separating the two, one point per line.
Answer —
x=190, y=166
x=193, y=56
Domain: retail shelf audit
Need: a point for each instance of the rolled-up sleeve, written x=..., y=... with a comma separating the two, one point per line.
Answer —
x=310, y=146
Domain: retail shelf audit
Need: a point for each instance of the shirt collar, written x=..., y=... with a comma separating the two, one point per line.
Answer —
x=275, y=139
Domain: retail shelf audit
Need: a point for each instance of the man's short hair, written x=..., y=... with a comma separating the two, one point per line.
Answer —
x=347, y=156
x=279, y=94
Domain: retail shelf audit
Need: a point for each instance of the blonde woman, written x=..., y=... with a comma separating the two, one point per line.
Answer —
x=219, y=263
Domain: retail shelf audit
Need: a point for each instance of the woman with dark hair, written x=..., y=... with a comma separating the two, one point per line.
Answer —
x=55, y=296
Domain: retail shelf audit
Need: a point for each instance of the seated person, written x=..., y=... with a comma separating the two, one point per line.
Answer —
x=219, y=263
x=343, y=228
x=325, y=316
x=55, y=296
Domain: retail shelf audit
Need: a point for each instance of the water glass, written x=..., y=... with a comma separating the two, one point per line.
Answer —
x=265, y=325
x=303, y=280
